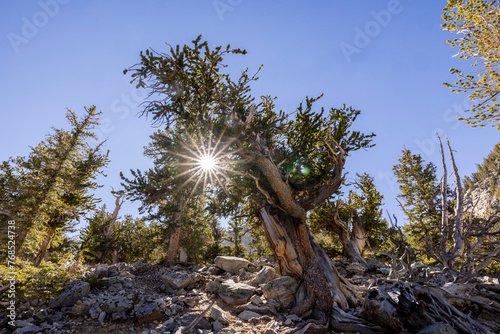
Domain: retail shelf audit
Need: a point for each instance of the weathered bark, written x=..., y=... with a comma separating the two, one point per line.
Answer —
x=445, y=255
x=108, y=232
x=290, y=239
x=173, y=244
x=44, y=246
x=444, y=204
x=353, y=242
x=299, y=256
x=458, y=231
x=115, y=256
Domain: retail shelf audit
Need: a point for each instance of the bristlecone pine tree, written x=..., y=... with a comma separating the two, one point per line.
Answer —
x=164, y=195
x=478, y=22
x=49, y=189
x=421, y=197
x=357, y=223
x=285, y=164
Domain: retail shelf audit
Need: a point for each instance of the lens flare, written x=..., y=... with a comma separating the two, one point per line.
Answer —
x=207, y=162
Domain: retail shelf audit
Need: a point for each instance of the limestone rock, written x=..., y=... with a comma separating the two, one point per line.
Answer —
x=355, y=269
x=231, y=264
x=80, y=309
x=189, y=318
x=179, y=280
x=72, y=293
x=217, y=326
x=117, y=303
x=30, y=329
x=148, y=312
x=235, y=293
x=281, y=289
x=265, y=275
x=218, y=315
x=247, y=315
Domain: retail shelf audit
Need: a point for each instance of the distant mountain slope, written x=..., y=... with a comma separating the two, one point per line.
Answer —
x=482, y=188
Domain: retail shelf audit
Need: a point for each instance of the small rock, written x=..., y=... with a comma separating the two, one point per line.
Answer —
x=102, y=316
x=231, y=264
x=265, y=275
x=247, y=315
x=93, y=312
x=122, y=315
x=149, y=312
x=117, y=304
x=293, y=317
x=270, y=331
x=189, y=302
x=235, y=293
x=80, y=309
x=356, y=269
x=217, y=326
x=218, y=315
x=22, y=323
x=187, y=319
x=256, y=300
x=30, y=329
x=179, y=280
x=73, y=292
x=282, y=290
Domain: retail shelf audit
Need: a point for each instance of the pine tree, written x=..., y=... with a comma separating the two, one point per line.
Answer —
x=420, y=192
x=54, y=180
x=284, y=165
x=478, y=21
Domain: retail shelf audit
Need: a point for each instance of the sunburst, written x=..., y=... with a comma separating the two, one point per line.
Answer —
x=206, y=162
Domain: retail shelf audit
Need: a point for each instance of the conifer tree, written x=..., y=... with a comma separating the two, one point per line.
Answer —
x=478, y=22
x=284, y=165
x=53, y=181
x=420, y=192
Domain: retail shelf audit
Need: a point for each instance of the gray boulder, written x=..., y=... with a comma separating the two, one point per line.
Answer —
x=72, y=293
x=231, y=264
x=148, y=312
x=282, y=289
x=217, y=326
x=80, y=309
x=179, y=280
x=187, y=319
x=105, y=271
x=117, y=304
x=247, y=315
x=355, y=268
x=218, y=315
x=30, y=329
x=265, y=275
x=235, y=293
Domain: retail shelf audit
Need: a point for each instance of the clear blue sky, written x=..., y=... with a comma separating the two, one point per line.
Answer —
x=386, y=58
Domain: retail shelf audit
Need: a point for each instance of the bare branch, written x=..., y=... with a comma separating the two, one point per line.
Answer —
x=444, y=203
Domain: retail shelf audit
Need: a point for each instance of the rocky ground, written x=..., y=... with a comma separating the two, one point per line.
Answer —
x=230, y=296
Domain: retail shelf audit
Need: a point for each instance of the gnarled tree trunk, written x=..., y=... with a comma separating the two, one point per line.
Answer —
x=353, y=241
x=175, y=236
x=297, y=253
x=299, y=256
x=44, y=246
x=108, y=232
